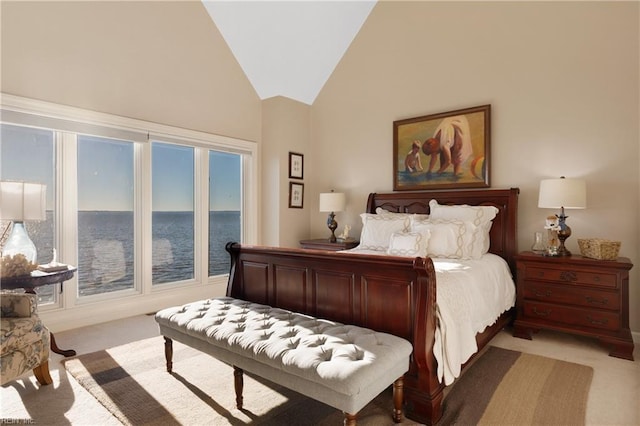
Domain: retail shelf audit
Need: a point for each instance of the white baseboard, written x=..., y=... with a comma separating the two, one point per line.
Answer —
x=58, y=320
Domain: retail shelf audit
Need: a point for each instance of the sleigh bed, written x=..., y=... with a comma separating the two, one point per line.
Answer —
x=392, y=294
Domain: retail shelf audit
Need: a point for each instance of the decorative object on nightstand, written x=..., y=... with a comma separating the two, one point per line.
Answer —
x=575, y=295
x=332, y=202
x=553, y=243
x=599, y=248
x=563, y=194
x=344, y=237
x=538, y=246
x=21, y=201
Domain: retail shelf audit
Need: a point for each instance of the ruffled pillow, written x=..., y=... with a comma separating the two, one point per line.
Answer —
x=451, y=239
x=409, y=244
x=481, y=216
x=381, y=211
x=377, y=230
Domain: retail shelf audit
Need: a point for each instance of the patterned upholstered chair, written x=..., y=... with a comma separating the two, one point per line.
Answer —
x=24, y=343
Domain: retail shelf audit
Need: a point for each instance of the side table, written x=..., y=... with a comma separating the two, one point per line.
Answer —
x=325, y=244
x=37, y=279
x=575, y=294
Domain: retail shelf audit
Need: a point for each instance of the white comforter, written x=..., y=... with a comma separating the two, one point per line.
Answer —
x=470, y=296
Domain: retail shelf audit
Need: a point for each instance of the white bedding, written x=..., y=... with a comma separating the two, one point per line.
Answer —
x=470, y=296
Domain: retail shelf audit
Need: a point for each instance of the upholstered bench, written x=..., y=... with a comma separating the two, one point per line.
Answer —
x=343, y=366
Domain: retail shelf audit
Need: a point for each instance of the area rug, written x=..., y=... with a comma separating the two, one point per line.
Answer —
x=501, y=387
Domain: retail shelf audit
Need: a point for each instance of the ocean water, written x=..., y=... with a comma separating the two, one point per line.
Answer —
x=106, y=247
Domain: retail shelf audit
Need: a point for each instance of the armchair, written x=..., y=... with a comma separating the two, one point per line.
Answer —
x=24, y=342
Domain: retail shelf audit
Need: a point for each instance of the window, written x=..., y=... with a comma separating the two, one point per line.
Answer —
x=105, y=215
x=27, y=154
x=225, y=214
x=173, y=212
x=139, y=212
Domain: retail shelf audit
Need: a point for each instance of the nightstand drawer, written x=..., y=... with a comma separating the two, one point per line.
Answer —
x=572, y=316
x=571, y=276
x=567, y=295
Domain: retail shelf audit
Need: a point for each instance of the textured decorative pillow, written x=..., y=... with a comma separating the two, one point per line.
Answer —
x=480, y=216
x=409, y=244
x=377, y=230
x=449, y=239
x=381, y=211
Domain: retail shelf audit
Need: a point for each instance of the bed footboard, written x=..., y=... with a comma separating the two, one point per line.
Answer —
x=389, y=294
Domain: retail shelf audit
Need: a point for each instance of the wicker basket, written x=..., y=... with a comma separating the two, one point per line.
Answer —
x=599, y=248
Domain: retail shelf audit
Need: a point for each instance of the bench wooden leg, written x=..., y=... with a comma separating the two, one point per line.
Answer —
x=42, y=373
x=398, y=397
x=168, y=353
x=238, y=384
x=350, y=419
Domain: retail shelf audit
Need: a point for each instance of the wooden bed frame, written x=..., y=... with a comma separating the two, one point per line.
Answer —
x=390, y=294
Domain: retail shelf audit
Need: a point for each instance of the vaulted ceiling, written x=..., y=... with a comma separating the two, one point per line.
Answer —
x=289, y=48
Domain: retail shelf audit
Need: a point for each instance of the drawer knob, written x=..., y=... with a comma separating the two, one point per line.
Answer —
x=568, y=276
x=597, y=302
x=544, y=313
x=597, y=322
x=542, y=294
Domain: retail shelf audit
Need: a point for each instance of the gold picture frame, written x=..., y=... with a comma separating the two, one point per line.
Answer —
x=448, y=150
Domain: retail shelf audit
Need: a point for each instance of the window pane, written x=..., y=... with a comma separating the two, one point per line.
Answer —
x=173, y=212
x=26, y=154
x=105, y=215
x=225, y=215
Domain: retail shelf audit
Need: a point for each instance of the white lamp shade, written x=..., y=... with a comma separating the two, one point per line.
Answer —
x=20, y=201
x=567, y=193
x=332, y=202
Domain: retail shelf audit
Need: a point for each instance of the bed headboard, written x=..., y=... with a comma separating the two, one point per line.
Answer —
x=503, y=231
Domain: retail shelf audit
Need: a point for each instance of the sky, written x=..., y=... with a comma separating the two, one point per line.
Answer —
x=105, y=171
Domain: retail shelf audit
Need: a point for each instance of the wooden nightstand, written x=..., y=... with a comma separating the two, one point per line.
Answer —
x=575, y=294
x=324, y=244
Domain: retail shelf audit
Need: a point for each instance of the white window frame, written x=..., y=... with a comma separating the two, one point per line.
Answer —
x=66, y=121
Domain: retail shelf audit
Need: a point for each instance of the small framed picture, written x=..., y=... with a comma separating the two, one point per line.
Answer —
x=296, y=195
x=296, y=165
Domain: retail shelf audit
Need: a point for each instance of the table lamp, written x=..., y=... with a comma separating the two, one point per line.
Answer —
x=564, y=194
x=20, y=201
x=332, y=202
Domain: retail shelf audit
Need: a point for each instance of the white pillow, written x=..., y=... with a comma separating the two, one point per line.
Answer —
x=450, y=239
x=377, y=230
x=381, y=211
x=409, y=244
x=480, y=216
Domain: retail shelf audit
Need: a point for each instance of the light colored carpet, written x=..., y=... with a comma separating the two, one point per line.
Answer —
x=501, y=387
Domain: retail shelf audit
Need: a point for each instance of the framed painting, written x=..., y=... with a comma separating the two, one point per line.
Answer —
x=296, y=165
x=448, y=150
x=296, y=195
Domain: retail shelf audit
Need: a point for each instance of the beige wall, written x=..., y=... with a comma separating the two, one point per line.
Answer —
x=164, y=62
x=562, y=79
x=285, y=128
x=563, y=82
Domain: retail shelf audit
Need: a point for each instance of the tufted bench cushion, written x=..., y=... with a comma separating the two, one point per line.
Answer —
x=344, y=366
